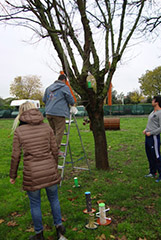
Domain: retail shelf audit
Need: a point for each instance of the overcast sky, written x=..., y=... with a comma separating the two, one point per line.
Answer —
x=19, y=58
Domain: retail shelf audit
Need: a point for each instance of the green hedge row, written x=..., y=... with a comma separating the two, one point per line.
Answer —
x=108, y=110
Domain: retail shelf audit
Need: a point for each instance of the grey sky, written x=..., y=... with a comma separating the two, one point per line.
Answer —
x=19, y=58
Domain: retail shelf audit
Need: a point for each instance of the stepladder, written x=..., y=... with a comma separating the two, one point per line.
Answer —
x=66, y=155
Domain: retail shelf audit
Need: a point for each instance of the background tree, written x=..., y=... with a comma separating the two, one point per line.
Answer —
x=27, y=87
x=1, y=102
x=127, y=99
x=151, y=82
x=136, y=97
x=133, y=97
x=86, y=35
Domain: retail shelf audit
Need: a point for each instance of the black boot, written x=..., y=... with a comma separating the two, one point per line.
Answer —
x=38, y=236
x=60, y=230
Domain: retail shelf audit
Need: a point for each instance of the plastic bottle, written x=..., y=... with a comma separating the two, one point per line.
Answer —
x=88, y=201
x=76, y=181
x=102, y=213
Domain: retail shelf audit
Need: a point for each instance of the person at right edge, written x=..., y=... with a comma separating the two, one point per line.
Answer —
x=57, y=99
x=152, y=139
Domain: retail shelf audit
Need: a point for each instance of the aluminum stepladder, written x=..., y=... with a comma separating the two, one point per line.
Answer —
x=68, y=148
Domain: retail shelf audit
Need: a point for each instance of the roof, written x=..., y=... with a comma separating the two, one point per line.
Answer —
x=19, y=102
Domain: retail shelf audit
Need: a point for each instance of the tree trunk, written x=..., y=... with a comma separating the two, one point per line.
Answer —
x=97, y=126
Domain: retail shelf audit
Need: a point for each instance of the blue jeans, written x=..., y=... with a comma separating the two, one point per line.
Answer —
x=35, y=205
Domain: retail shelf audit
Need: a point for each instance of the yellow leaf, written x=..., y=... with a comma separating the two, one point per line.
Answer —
x=14, y=213
x=64, y=219
x=111, y=236
x=103, y=237
x=120, y=172
x=95, y=180
x=94, y=197
x=69, y=191
x=30, y=230
x=1, y=221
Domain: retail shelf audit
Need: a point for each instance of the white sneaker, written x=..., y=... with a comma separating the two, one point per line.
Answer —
x=150, y=175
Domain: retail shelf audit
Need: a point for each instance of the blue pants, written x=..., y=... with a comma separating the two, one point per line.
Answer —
x=152, y=147
x=35, y=205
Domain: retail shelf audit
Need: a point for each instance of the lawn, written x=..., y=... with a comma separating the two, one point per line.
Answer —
x=134, y=201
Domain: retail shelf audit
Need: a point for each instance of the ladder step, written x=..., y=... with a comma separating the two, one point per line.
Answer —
x=64, y=144
x=67, y=121
x=60, y=167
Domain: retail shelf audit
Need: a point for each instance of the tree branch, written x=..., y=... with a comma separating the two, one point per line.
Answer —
x=133, y=28
x=108, y=8
x=121, y=26
x=88, y=41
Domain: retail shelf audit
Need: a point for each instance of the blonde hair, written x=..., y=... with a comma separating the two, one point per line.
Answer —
x=23, y=107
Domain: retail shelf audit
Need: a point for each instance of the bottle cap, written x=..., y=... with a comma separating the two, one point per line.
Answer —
x=87, y=193
x=101, y=204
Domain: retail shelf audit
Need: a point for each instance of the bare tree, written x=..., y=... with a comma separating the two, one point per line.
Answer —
x=152, y=17
x=88, y=36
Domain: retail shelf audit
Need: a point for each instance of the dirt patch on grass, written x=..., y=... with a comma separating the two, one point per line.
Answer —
x=123, y=147
x=150, y=209
x=128, y=162
x=107, y=180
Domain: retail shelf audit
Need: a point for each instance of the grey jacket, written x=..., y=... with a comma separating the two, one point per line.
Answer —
x=57, y=99
x=154, y=123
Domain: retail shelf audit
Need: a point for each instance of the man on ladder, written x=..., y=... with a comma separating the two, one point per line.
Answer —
x=57, y=99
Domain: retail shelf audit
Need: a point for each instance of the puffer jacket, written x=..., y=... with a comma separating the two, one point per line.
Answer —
x=40, y=152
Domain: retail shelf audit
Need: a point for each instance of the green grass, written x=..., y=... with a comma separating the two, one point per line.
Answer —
x=134, y=201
